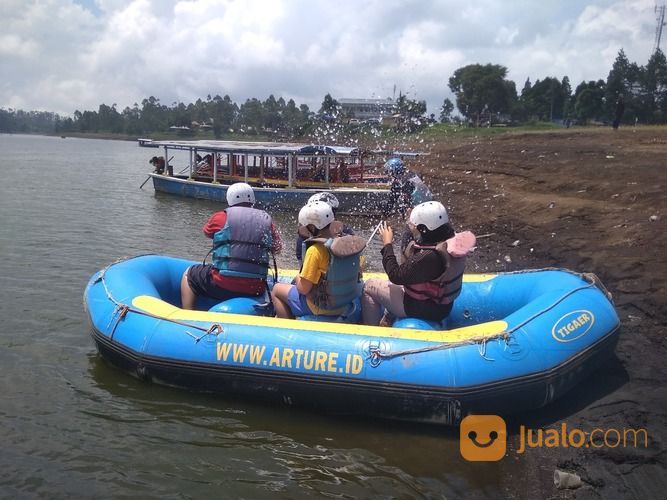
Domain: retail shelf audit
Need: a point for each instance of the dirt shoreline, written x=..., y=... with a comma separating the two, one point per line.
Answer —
x=590, y=201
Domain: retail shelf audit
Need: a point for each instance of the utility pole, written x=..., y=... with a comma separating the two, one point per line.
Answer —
x=660, y=18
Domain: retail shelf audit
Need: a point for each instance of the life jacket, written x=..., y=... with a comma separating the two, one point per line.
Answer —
x=446, y=287
x=242, y=247
x=341, y=284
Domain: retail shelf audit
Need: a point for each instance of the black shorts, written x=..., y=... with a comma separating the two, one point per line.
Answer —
x=202, y=284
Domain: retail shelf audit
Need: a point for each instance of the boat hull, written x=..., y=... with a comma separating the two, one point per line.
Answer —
x=352, y=200
x=331, y=395
x=481, y=365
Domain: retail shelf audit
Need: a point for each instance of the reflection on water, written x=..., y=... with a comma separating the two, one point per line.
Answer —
x=298, y=450
x=73, y=426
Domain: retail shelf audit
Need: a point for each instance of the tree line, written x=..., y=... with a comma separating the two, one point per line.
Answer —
x=483, y=96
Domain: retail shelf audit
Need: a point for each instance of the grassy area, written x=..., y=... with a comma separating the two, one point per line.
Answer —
x=450, y=129
x=371, y=138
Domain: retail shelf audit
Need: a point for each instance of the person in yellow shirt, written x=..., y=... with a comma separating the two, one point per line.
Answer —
x=329, y=279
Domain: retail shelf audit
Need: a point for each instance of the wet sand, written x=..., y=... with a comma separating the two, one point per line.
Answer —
x=590, y=200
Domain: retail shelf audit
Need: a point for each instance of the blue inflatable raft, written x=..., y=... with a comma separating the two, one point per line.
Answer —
x=514, y=341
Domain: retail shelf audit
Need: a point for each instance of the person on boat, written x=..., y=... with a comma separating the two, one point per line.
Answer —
x=159, y=165
x=303, y=233
x=342, y=172
x=204, y=164
x=428, y=281
x=407, y=189
x=243, y=239
x=330, y=277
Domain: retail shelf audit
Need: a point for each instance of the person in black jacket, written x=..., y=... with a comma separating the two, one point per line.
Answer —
x=429, y=279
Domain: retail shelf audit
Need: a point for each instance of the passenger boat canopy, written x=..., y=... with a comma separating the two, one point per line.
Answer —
x=273, y=148
x=291, y=162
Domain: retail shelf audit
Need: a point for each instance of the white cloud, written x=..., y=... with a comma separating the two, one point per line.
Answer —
x=66, y=55
x=14, y=46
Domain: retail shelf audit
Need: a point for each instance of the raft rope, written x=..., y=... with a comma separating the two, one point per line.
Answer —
x=376, y=355
x=122, y=309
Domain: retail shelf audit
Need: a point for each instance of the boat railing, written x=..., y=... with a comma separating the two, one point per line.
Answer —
x=275, y=170
x=279, y=164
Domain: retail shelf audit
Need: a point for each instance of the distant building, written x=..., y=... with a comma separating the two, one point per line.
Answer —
x=367, y=109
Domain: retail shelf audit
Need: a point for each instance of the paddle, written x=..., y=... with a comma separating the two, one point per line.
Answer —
x=373, y=233
x=149, y=177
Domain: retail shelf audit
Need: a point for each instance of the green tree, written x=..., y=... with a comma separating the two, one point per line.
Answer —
x=446, y=111
x=251, y=116
x=224, y=113
x=179, y=115
x=110, y=119
x=545, y=100
x=132, y=120
x=296, y=119
x=411, y=113
x=482, y=88
x=589, y=101
x=273, y=113
x=566, y=90
x=655, y=87
x=154, y=116
x=330, y=106
x=624, y=81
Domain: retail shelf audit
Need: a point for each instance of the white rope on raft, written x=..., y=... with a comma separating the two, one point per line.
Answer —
x=122, y=309
x=375, y=353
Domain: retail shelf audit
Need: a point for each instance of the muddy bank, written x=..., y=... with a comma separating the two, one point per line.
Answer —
x=593, y=201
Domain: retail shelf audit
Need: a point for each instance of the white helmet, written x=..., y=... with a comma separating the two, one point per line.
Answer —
x=326, y=197
x=431, y=214
x=240, y=192
x=317, y=213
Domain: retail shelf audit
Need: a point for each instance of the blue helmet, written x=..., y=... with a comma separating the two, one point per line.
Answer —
x=394, y=166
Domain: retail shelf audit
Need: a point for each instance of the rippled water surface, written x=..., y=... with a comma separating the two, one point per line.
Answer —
x=72, y=426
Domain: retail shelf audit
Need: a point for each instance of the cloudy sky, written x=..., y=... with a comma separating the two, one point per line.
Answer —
x=63, y=55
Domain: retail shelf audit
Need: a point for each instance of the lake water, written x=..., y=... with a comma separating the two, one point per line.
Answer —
x=73, y=426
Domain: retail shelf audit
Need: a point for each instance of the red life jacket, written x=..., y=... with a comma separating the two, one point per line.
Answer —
x=446, y=287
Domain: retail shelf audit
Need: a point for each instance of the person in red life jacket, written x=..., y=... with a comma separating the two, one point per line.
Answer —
x=158, y=164
x=429, y=279
x=243, y=239
x=330, y=277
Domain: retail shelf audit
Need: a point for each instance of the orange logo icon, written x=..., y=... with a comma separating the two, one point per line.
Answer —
x=483, y=438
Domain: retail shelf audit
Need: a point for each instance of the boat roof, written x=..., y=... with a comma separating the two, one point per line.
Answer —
x=271, y=148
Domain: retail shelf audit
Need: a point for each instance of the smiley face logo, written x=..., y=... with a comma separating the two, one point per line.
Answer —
x=493, y=435
x=483, y=438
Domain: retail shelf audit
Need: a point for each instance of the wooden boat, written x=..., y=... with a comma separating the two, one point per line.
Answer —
x=514, y=341
x=283, y=175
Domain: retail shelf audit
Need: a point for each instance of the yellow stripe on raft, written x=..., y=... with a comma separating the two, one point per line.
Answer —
x=162, y=309
x=467, y=278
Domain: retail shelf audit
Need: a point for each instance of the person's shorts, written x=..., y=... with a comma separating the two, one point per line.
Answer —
x=202, y=284
x=297, y=303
